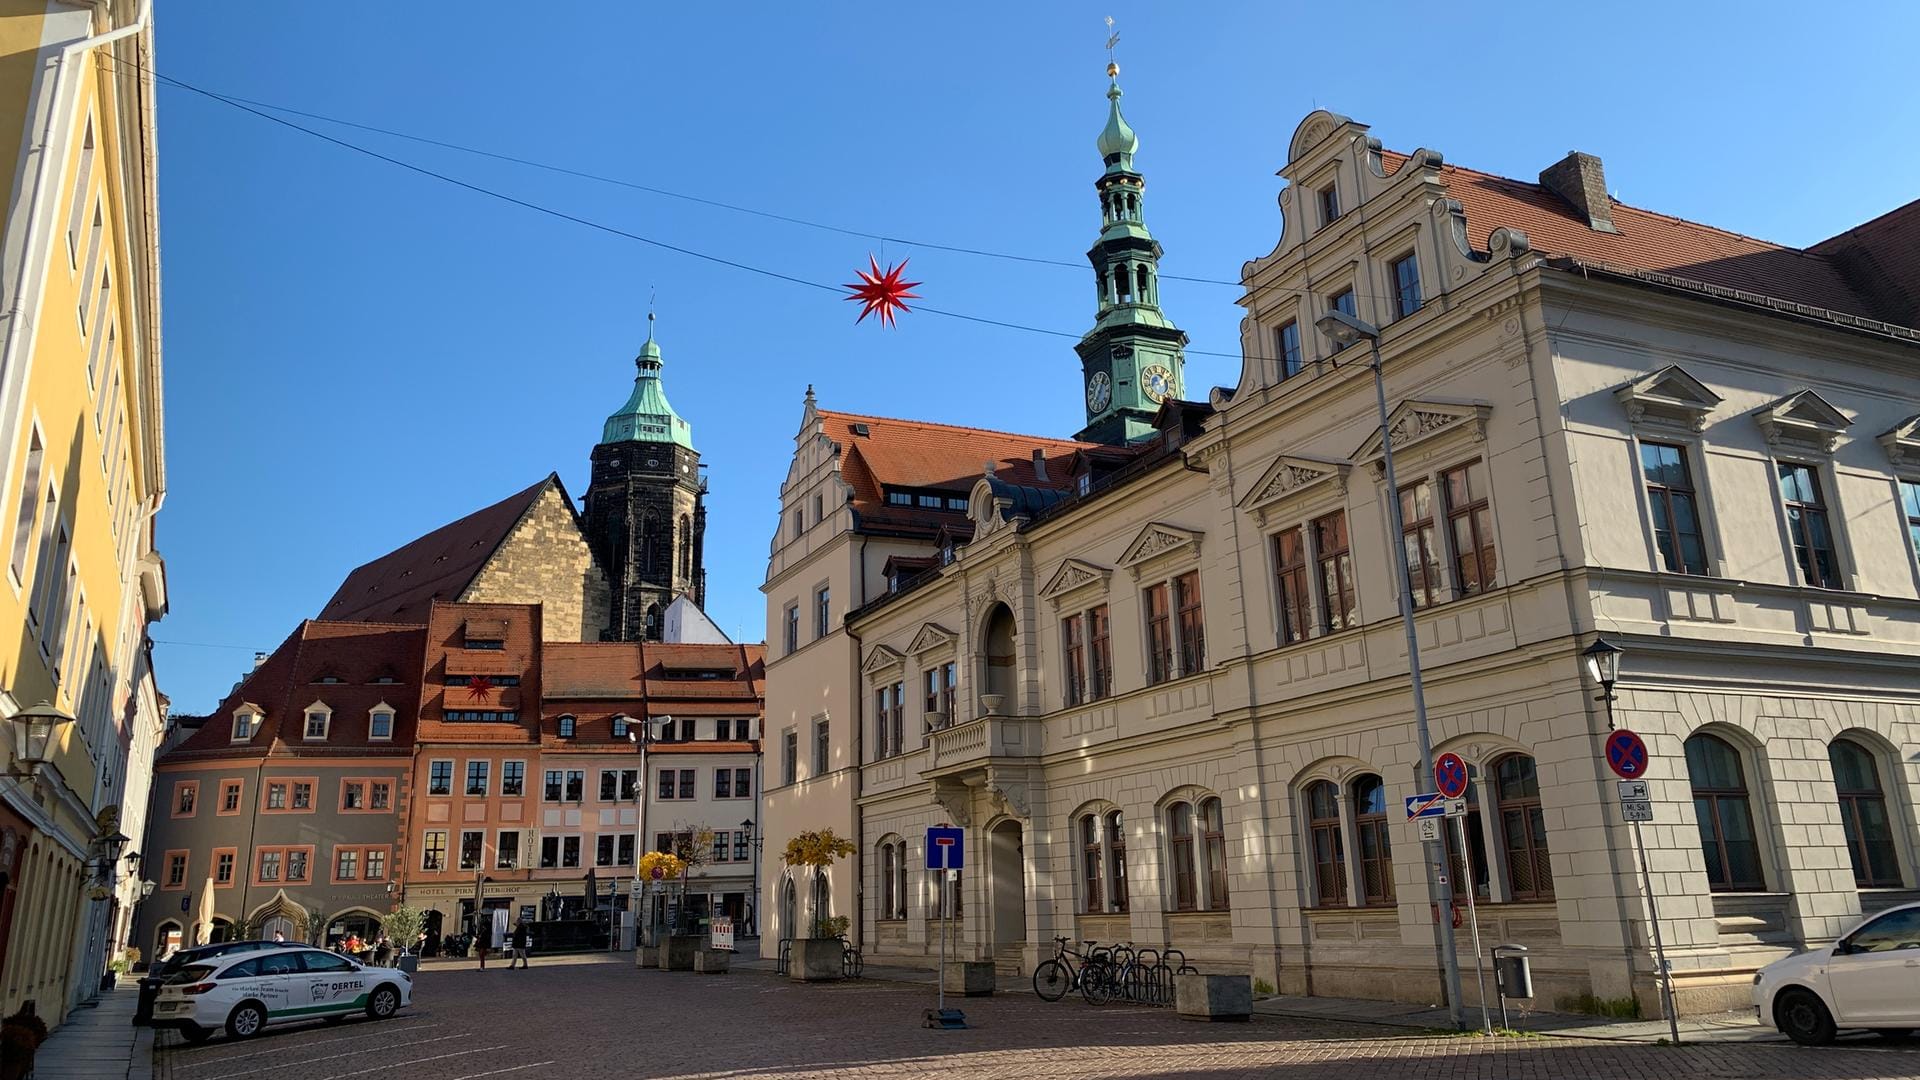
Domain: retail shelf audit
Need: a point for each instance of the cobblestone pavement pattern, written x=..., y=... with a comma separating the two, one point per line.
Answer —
x=585, y=1019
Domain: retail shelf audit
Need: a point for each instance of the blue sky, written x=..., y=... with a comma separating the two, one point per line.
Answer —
x=357, y=354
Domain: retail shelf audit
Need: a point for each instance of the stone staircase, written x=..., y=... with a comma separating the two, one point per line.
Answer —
x=1007, y=959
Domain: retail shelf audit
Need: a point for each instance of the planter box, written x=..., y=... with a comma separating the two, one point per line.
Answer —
x=713, y=961
x=1213, y=997
x=815, y=960
x=677, y=954
x=408, y=963
x=970, y=978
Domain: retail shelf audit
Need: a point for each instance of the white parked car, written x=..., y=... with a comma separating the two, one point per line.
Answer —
x=1868, y=979
x=244, y=992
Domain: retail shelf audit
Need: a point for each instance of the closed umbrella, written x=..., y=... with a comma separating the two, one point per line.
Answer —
x=203, y=915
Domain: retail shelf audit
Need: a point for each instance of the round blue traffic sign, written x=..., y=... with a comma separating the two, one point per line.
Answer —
x=1627, y=755
x=1450, y=776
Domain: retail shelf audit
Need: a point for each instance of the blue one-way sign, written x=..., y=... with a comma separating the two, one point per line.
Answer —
x=946, y=848
x=1426, y=804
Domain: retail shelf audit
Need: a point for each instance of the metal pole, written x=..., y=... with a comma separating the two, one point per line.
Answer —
x=1659, y=949
x=1432, y=851
x=943, y=946
x=1473, y=921
x=1500, y=988
x=640, y=937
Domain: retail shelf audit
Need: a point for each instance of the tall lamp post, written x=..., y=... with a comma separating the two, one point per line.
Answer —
x=1343, y=330
x=753, y=918
x=642, y=737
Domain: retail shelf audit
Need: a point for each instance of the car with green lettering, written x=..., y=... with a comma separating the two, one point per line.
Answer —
x=245, y=993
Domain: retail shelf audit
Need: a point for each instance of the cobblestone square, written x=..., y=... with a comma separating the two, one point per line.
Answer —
x=595, y=1017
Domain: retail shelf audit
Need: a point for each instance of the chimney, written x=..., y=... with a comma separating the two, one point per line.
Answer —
x=258, y=659
x=1579, y=179
x=1040, y=465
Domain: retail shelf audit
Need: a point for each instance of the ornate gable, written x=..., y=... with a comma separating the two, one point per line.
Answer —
x=1802, y=419
x=1157, y=540
x=881, y=658
x=1668, y=396
x=1290, y=476
x=1073, y=575
x=1415, y=422
x=931, y=636
x=1903, y=441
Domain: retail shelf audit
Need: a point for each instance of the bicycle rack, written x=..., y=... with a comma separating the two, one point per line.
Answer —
x=786, y=954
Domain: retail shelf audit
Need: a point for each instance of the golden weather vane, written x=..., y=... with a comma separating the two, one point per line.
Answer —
x=1113, y=38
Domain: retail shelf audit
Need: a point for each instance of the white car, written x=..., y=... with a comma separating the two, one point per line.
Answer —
x=1868, y=979
x=244, y=992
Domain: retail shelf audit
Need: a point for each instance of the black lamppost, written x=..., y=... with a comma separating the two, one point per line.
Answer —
x=752, y=928
x=1603, y=666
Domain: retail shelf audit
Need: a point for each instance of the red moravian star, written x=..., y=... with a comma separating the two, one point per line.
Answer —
x=882, y=293
x=480, y=688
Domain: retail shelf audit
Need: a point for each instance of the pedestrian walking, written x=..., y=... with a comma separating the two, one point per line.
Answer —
x=522, y=945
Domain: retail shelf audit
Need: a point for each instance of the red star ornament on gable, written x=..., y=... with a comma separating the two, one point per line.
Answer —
x=480, y=688
x=882, y=293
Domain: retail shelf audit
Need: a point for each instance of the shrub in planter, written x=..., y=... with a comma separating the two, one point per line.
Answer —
x=20, y=1035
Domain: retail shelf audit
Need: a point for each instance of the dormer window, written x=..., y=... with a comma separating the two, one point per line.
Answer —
x=566, y=726
x=899, y=498
x=946, y=555
x=620, y=727
x=1329, y=205
x=319, y=719
x=246, y=722
x=380, y=722
x=328, y=679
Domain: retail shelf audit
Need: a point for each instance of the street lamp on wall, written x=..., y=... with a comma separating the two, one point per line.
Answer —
x=33, y=737
x=1603, y=667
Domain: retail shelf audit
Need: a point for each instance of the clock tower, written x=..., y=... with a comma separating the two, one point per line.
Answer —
x=1131, y=360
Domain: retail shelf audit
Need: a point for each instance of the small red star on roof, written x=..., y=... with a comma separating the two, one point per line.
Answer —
x=882, y=293
x=480, y=688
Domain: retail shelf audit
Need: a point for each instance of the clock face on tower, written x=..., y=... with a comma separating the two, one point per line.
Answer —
x=1099, y=392
x=1156, y=382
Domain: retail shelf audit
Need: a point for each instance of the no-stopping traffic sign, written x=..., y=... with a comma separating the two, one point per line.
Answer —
x=1627, y=755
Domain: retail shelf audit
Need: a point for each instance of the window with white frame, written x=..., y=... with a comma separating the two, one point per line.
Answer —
x=380, y=723
x=1678, y=536
x=245, y=723
x=319, y=719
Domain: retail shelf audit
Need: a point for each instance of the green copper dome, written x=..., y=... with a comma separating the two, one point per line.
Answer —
x=1117, y=137
x=647, y=417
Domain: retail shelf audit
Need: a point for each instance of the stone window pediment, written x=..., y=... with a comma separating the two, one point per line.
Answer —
x=1293, y=480
x=1802, y=419
x=1160, y=541
x=1902, y=441
x=1074, y=575
x=1416, y=424
x=881, y=659
x=930, y=637
x=1669, y=397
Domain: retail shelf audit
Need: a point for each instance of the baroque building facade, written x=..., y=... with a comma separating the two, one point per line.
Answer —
x=82, y=475
x=1168, y=698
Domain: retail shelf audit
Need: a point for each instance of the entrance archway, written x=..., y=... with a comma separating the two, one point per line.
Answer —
x=998, y=662
x=1008, y=879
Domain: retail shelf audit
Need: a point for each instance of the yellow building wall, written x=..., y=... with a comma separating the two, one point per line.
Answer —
x=81, y=408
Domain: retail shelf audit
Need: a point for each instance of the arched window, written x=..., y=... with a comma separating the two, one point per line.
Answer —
x=1213, y=835
x=1116, y=861
x=1140, y=283
x=1725, y=815
x=900, y=880
x=1376, y=848
x=1091, y=873
x=888, y=860
x=1180, y=848
x=1324, y=839
x=1863, y=812
x=1523, y=828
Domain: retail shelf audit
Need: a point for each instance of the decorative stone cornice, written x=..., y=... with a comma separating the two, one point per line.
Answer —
x=1802, y=420
x=1009, y=793
x=1074, y=575
x=1902, y=441
x=1158, y=540
x=1414, y=422
x=931, y=636
x=1290, y=478
x=956, y=799
x=1669, y=396
x=880, y=658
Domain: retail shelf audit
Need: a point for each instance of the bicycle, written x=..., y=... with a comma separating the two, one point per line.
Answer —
x=1117, y=975
x=1056, y=975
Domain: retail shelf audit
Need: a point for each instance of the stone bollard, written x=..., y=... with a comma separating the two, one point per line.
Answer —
x=713, y=961
x=970, y=978
x=1213, y=997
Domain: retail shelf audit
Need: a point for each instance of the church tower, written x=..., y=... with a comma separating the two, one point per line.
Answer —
x=646, y=507
x=1131, y=360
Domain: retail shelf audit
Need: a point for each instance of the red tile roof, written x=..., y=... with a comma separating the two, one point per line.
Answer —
x=940, y=457
x=289, y=680
x=1649, y=241
x=398, y=587
x=1882, y=259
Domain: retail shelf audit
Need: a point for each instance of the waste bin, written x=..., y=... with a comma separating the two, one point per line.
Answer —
x=1513, y=973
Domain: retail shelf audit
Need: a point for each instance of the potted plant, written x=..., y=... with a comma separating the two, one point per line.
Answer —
x=664, y=867
x=402, y=926
x=817, y=957
x=116, y=967
x=20, y=1036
